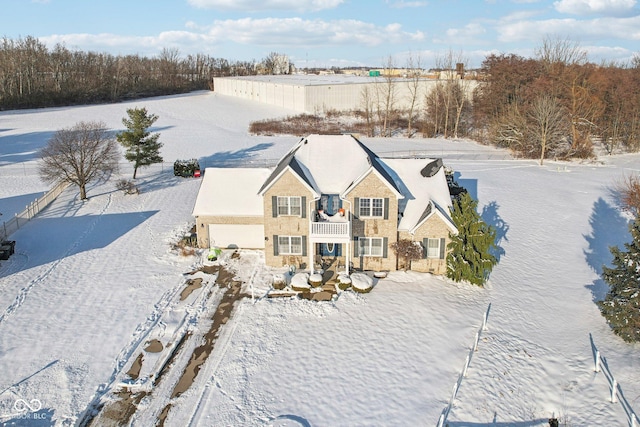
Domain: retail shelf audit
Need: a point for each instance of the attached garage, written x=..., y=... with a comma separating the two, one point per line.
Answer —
x=229, y=211
x=237, y=236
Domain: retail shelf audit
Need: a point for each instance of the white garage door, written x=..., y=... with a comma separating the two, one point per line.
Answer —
x=236, y=236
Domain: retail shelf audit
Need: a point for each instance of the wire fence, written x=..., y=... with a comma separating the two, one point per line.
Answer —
x=616, y=395
x=463, y=373
x=14, y=224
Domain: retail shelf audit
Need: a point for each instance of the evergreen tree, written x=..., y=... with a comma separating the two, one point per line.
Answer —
x=471, y=256
x=142, y=147
x=621, y=307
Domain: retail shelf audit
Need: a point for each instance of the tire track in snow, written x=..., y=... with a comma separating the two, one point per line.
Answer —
x=210, y=371
x=24, y=292
x=224, y=342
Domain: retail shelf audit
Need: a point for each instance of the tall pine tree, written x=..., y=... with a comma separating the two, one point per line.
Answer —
x=141, y=147
x=621, y=307
x=471, y=256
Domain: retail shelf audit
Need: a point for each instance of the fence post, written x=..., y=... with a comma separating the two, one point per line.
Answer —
x=485, y=318
x=614, y=394
x=597, y=367
x=466, y=366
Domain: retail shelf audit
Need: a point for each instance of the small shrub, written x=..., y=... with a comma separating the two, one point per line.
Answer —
x=185, y=246
x=629, y=190
x=127, y=186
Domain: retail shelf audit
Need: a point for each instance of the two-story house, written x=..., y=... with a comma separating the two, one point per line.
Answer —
x=329, y=198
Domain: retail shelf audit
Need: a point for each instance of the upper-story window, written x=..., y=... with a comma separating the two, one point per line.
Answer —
x=290, y=205
x=371, y=207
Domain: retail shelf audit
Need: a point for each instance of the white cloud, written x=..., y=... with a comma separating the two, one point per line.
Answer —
x=270, y=33
x=469, y=34
x=257, y=5
x=593, y=29
x=119, y=44
x=600, y=7
x=402, y=4
x=302, y=32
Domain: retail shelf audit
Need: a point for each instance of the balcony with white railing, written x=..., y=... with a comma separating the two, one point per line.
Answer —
x=331, y=231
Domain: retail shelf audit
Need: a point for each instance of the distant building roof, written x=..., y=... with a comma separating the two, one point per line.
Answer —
x=309, y=79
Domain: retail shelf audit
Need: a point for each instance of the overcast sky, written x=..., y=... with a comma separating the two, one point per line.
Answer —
x=328, y=32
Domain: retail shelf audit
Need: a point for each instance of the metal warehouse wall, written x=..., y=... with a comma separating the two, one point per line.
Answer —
x=315, y=98
x=272, y=93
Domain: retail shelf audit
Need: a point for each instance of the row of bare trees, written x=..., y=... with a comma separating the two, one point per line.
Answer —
x=558, y=104
x=31, y=75
x=555, y=105
x=409, y=105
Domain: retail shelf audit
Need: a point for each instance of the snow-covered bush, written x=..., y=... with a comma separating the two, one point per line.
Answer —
x=361, y=283
x=300, y=282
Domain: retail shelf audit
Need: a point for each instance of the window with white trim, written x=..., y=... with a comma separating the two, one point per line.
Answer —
x=290, y=245
x=290, y=205
x=433, y=248
x=370, y=246
x=371, y=207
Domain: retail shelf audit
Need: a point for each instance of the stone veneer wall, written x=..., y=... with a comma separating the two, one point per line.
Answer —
x=372, y=186
x=287, y=185
x=433, y=228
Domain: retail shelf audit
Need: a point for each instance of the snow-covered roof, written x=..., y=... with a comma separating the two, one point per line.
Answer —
x=231, y=192
x=330, y=164
x=308, y=79
x=424, y=196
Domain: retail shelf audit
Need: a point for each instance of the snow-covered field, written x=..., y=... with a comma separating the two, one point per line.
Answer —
x=92, y=281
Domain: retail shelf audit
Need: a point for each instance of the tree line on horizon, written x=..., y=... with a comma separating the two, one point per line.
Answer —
x=554, y=105
x=34, y=76
x=558, y=104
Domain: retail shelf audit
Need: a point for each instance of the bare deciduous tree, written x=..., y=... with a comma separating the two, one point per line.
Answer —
x=413, y=84
x=510, y=130
x=387, y=96
x=367, y=103
x=79, y=155
x=557, y=50
x=446, y=103
x=276, y=63
x=547, y=123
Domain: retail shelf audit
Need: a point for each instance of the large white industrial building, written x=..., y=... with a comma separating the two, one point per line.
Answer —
x=319, y=93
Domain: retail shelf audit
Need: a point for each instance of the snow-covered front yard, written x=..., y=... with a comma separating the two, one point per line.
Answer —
x=93, y=281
